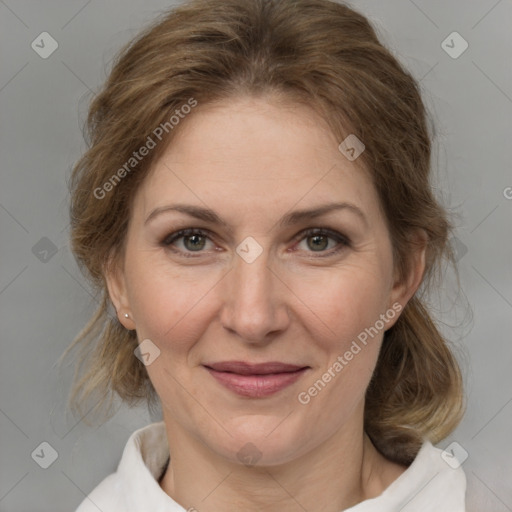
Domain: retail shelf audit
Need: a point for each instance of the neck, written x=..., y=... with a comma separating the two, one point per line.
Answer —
x=343, y=471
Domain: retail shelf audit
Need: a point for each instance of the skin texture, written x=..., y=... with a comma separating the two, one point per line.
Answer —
x=253, y=160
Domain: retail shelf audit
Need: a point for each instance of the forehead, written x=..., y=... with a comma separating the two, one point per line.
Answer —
x=255, y=154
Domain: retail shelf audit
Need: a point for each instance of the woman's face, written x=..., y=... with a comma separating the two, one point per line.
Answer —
x=251, y=285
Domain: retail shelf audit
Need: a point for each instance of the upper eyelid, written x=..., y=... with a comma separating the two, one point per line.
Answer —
x=329, y=232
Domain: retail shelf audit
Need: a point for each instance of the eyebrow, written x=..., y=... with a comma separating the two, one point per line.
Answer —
x=289, y=219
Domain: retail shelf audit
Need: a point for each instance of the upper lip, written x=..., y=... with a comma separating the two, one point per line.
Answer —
x=245, y=368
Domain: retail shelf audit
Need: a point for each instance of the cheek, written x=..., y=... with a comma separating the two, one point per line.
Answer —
x=344, y=329
x=343, y=303
x=171, y=308
x=169, y=305
x=348, y=305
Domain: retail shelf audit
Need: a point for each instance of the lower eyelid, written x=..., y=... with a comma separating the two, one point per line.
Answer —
x=172, y=242
x=341, y=245
x=342, y=241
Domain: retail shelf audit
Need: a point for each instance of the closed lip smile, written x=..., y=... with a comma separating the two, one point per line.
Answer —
x=255, y=380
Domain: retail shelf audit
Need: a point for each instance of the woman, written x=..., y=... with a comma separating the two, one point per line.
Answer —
x=256, y=207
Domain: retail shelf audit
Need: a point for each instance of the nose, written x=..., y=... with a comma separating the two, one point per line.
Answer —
x=254, y=302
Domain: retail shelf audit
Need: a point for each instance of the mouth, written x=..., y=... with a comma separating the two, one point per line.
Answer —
x=255, y=380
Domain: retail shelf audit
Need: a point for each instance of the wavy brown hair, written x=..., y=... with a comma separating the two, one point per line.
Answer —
x=315, y=52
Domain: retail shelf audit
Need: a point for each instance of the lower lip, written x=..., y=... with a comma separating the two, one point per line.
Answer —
x=256, y=386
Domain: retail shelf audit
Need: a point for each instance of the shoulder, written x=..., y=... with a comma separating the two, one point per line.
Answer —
x=434, y=482
x=134, y=486
x=106, y=496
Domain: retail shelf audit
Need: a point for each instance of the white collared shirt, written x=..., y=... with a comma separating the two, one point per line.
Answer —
x=429, y=484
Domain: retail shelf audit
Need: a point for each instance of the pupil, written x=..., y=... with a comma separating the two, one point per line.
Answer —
x=316, y=238
x=194, y=244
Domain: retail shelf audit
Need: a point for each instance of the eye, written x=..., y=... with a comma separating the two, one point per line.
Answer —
x=317, y=240
x=195, y=240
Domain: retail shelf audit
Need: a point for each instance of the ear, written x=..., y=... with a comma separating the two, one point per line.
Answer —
x=403, y=289
x=117, y=290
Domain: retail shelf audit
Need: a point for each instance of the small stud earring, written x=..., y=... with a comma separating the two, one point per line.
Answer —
x=126, y=315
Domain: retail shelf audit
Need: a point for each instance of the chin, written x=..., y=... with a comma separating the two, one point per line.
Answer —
x=259, y=440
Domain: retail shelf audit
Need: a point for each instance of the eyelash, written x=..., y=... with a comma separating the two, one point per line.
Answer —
x=342, y=240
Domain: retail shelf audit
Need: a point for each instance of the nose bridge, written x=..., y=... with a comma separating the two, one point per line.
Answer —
x=251, y=305
x=252, y=278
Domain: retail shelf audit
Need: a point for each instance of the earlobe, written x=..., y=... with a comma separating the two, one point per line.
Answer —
x=116, y=286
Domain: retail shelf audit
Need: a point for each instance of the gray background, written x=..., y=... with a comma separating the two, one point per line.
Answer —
x=45, y=301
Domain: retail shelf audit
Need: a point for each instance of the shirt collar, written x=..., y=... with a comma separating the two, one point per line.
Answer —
x=428, y=477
